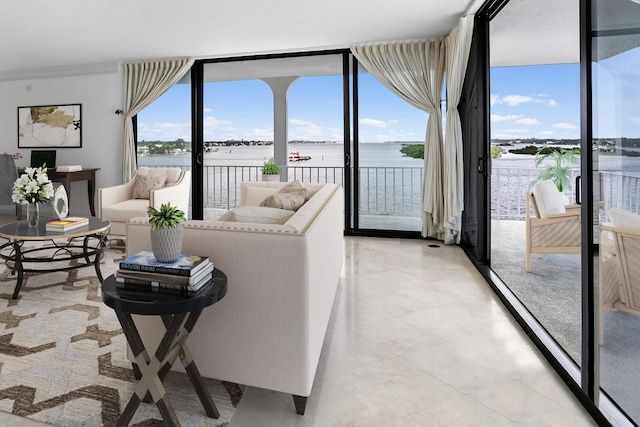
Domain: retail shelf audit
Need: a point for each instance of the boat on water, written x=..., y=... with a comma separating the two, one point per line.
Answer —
x=294, y=156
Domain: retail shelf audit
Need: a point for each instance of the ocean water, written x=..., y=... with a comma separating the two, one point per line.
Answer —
x=322, y=155
x=391, y=183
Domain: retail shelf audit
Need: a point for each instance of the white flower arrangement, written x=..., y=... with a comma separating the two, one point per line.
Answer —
x=33, y=186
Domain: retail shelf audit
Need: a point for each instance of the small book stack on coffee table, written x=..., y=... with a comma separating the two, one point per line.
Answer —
x=187, y=275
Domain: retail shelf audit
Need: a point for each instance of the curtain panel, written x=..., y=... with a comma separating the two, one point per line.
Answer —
x=145, y=82
x=458, y=46
x=415, y=72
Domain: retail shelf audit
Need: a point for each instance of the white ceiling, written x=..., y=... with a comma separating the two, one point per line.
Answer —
x=528, y=32
x=47, y=35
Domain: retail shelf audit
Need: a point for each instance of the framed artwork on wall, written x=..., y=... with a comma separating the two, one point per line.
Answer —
x=56, y=126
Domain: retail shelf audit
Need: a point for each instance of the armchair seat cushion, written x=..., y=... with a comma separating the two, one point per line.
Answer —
x=123, y=211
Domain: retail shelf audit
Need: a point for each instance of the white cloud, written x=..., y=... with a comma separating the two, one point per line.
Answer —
x=565, y=126
x=546, y=133
x=528, y=121
x=552, y=103
x=499, y=118
x=513, y=100
x=164, y=131
x=495, y=99
x=373, y=122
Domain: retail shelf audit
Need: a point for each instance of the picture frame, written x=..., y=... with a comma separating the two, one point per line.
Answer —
x=50, y=126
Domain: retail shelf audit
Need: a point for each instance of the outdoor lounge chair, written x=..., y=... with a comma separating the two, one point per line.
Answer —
x=555, y=226
x=619, y=264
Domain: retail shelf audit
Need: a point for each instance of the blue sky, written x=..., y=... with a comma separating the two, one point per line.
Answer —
x=244, y=110
x=535, y=102
x=526, y=102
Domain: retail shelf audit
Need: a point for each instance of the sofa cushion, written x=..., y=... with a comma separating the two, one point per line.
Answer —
x=257, y=214
x=289, y=201
x=548, y=199
x=291, y=196
x=145, y=184
x=256, y=195
x=624, y=219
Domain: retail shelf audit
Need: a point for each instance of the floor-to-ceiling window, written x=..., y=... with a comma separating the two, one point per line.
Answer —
x=390, y=158
x=564, y=76
x=616, y=183
x=535, y=113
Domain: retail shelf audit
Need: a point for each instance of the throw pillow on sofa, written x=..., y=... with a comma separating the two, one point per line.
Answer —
x=256, y=214
x=145, y=184
x=290, y=197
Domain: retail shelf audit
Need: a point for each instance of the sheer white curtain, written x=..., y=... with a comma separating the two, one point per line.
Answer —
x=415, y=71
x=145, y=81
x=458, y=45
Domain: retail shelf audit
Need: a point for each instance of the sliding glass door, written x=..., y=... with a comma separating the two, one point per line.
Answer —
x=616, y=184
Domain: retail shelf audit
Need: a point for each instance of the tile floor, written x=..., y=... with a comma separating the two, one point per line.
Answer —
x=417, y=338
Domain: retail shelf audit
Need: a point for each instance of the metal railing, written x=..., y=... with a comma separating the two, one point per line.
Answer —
x=396, y=191
x=383, y=190
x=509, y=187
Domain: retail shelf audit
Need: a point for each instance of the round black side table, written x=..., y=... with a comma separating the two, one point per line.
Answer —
x=179, y=314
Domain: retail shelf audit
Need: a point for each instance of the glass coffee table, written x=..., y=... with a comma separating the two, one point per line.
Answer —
x=84, y=244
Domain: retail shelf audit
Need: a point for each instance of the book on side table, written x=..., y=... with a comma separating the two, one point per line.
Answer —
x=66, y=224
x=187, y=275
x=185, y=265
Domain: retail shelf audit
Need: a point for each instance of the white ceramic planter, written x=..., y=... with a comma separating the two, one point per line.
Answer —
x=166, y=243
x=271, y=177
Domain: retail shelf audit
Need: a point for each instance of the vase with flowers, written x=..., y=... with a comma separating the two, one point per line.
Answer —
x=33, y=187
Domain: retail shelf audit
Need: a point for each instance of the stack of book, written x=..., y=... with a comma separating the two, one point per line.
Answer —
x=66, y=224
x=186, y=275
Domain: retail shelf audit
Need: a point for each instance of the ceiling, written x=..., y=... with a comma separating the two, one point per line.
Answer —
x=42, y=36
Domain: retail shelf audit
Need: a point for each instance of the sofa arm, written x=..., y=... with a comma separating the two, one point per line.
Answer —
x=177, y=194
x=109, y=196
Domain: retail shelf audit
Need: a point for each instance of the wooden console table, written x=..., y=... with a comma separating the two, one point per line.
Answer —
x=67, y=178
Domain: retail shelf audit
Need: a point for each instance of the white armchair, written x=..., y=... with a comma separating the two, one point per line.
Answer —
x=148, y=187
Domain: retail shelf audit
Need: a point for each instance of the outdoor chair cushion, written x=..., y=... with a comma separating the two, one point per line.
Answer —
x=624, y=219
x=548, y=199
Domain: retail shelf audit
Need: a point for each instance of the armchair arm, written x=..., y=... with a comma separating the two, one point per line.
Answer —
x=177, y=194
x=111, y=195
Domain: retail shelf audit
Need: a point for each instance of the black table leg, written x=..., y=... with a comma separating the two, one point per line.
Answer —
x=17, y=267
x=153, y=370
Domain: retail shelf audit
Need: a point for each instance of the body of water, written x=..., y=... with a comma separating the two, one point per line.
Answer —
x=322, y=155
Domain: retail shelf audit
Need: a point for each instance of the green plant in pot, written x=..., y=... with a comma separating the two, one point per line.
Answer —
x=271, y=170
x=559, y=171
x=166, y=231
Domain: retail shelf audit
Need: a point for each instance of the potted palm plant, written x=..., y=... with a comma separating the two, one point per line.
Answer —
x=559, y=171
x=166, y=232
x=271, y=170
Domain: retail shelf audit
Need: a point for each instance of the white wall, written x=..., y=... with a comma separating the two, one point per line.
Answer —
x=100, y=96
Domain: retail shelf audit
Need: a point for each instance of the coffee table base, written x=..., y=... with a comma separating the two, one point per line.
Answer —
x=17, y=258
x=153, y=371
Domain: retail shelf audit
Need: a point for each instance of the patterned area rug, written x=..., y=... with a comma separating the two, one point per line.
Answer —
x=62, y=356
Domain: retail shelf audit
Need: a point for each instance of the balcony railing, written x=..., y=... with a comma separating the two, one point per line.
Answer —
x=510, y=185
x=383, y=190
x=396, y=191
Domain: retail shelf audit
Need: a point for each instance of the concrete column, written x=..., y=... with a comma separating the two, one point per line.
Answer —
x=280, y=87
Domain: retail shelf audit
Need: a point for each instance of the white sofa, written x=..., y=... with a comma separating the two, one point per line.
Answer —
x=120, y=203
x=269, y=329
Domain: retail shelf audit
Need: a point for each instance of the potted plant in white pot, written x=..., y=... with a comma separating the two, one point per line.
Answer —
x=166, y=232
x=271, y=170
